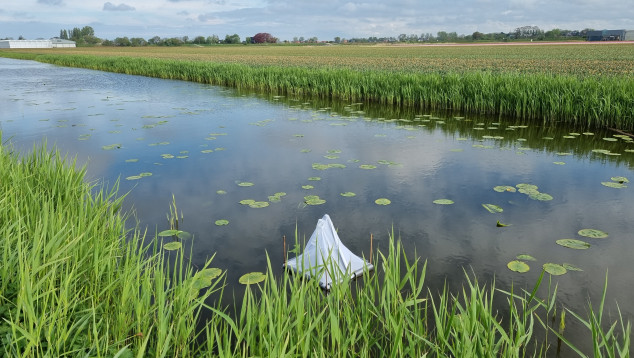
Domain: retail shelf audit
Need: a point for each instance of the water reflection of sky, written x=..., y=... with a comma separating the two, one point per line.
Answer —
x=263, y=142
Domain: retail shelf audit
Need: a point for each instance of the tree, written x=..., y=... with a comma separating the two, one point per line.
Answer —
x=263, y=37
x=213, y=39
x=402, y=38
x=122, y=41
x=233, y=39
x=138, y=42
x=442, y=36
x=477, y=36
x=337, y=39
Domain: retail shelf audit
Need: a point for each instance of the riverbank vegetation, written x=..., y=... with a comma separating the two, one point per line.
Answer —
x=581, y=85
x=74, y=281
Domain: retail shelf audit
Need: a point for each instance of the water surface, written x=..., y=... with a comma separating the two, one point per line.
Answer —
x=199, y=142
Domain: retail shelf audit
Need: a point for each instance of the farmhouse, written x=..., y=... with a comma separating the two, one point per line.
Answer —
x=52, y=43
x=611, y=35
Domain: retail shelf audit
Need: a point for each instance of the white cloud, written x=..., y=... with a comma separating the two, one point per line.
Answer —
x=121, y=7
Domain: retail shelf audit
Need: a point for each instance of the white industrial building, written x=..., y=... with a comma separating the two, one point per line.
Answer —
x=52, y=43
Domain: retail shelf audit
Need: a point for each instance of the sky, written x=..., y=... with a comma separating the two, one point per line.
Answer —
x=286, y=19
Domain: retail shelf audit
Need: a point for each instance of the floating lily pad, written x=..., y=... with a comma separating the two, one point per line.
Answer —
x=247, y=201
x=620, y=180
x=145, y=174
x=207, y=151
x=133, y=177
x=245, y=183
x=611, y=184
x=307, y=187
x=518, y=266
x=503, y=188
x=525, y=257
x=541, y=196
x=259, y=204
x=573, y=244
x=348, y=194
x=593, y=233
x=169, y=233
x=367, y=166
x=610, y=139
x=383, y=201
x=331, y=156
x=313, y=200
x=571, y=267
x=171, y=246
x=314, y=178
x=167, y=156
x=559, y=163
x=131, y=160
x=493, y=208
x=251, y=278
x=443, y=202
x=221, y=192
x=527, y=186
x=222, y=222
x=111, y=146
x=554, y=269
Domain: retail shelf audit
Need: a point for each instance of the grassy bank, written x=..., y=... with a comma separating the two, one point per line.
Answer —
x=583, y=100
x=75, y=282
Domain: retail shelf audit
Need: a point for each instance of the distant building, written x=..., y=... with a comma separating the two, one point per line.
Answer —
x=52, y=43
x=611, y=35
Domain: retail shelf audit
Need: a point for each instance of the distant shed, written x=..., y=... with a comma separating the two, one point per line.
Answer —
x=611, y=35
x=36, y=43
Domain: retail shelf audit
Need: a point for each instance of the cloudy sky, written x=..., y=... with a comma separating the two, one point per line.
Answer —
x=286, y=19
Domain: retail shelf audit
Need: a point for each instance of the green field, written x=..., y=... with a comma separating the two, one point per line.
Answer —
x=585, y=85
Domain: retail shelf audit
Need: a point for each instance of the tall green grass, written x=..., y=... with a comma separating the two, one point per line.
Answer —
x=584, y=101
x=75, y=282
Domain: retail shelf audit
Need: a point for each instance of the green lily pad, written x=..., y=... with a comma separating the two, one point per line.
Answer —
x=314, y=178
x=331, y=156
x=131, y=160
x=541, y=196
x=367, y=166
x=518, y=266
x=222, y=222
x=169, y=233
x=571, y=267
x=313, y=200
x=209, y=273
x=247, y=201
x=348, y=194
x=145, y=174
x=560, y=163
x=610, y=139
x=493, y=208
x=443, y=202
x=251, y=278
x=171, y=246
x=611, y=184
x=167, y=156
x=133, y=177
x=525, y=257
x=259, y=204
x=503, y=188
x=207, y=151
x=308, y=187
x=554, y=269
x=573, y=244
x=526, y=186
x=111, y=146
x=245, y=183
x=383, y=201
x=620, y=180
x=221, y=192
x=593, y=233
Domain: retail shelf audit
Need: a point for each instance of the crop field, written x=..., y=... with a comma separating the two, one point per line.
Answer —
x=585, y=85
x=582, y=59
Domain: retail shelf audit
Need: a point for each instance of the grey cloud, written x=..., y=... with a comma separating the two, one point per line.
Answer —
x=121, y=7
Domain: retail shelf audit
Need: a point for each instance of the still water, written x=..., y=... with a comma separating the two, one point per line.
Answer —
x=199, y=142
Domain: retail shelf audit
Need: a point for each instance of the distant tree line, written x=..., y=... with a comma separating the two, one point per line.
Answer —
x=85, y=36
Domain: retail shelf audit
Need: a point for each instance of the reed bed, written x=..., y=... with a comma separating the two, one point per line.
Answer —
x=582, y=100
x=75, y=282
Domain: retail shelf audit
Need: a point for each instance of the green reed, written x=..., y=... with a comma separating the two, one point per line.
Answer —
x=581, y=100
x=74, y=281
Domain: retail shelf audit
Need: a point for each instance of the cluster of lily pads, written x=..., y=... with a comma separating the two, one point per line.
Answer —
x=141, y=175
x=617, y=182
x=528, y=189
x=520, y=265
x=275, y=198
